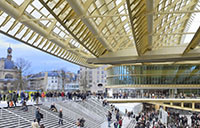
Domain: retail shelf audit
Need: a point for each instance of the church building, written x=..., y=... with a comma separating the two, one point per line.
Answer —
x=8, y=72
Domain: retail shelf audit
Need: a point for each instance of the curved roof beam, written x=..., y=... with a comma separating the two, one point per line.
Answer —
x=51, y=44
x=80, y=11
x=195, y=41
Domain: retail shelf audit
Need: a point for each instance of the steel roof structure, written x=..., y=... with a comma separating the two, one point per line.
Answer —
x=92, y=32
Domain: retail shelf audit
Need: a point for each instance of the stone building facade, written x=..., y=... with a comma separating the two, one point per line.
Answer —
x=8, y=72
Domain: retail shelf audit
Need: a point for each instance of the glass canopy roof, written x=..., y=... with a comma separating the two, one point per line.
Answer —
x=86, y=32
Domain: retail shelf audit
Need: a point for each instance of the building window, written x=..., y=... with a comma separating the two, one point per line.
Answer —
x=52, y=81
x=102, y=72
x=9, y=76
x=55, y=81
x=97, y=72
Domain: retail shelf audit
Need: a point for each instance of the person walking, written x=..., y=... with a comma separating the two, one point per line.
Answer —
x=38, y=115
x=60, y=115
x=37, y=95
x=9, y=99
x=43, y=96
x=34, y=124
x=109, y=117
x=14, y=98
x=22, y=95
x=120, y=122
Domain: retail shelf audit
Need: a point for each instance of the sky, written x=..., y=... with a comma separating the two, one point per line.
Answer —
x=40, y=61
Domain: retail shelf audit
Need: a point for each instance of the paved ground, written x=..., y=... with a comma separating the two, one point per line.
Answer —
x=125, y=123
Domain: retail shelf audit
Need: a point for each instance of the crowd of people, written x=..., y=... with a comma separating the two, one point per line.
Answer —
x=118, y=117
x=126, y=95
x=176, y=120
x=13, y=98
x=148, y=119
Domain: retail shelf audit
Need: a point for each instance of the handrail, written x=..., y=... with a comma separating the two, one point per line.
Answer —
x=54, y=115
x=79, y=115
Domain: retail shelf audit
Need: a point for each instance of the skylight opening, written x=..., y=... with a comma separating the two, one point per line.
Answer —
x=29, y=9
x=118, y=2
x=37, y=4
x=18, y=2
x=36, y=14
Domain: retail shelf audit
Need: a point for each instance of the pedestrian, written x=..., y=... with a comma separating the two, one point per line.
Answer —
x=117, y=115
x=82, y=122
x=115, y=124
x=42, y=126
x=34, y=124
x=22, y=96
x=32, y=97
x=24, y=106
x=60, y=117
x=38, y=115
x=14, y=98
x=8, y=98
x=43, y=96
x=37, y=95
x=109, y=117
x=120, y=122
x=78, y=123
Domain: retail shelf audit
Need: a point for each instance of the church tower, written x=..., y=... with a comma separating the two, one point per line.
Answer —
x=9, y=51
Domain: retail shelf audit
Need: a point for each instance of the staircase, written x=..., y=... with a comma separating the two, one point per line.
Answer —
x=50, y=120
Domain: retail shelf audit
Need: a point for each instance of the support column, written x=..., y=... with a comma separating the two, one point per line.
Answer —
x=157, y=107
x=182, y=105
x=193, y=105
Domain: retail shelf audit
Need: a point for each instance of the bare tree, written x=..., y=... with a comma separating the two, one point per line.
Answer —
x=63, y=75
x=22, y=66
x=83, y=80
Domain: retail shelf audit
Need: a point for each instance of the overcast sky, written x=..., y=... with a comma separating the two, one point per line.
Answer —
x=40, y=61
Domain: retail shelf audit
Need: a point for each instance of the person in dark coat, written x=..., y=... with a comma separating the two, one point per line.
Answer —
x=60, y=117
x=38, y=115
x=22, y=95
x=14, y=98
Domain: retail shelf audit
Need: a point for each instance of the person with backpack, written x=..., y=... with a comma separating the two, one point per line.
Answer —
x=60, y=117
x=38, y=115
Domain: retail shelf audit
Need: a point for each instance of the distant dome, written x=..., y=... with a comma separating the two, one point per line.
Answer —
x=9, y=50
